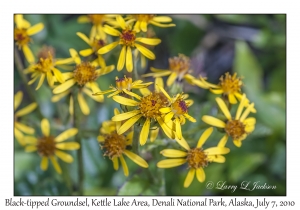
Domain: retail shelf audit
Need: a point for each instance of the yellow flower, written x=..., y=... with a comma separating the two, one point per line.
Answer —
x=22, y=34
x=49, y=146
x=115, y=145
x=196, y=158
x=20, y=127
x=128, y=40
x=47, y=68
x=142, y=21
x=239, y=127
x=95, y=43
x=97, y=20
x=146, y=108
x=124, y=85
x=179, y=67
x=84, y=76
x=178, y=108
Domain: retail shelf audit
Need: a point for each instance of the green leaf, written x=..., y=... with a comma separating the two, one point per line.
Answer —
x=135, y=186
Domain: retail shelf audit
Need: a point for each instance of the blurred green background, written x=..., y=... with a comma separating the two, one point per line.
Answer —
x=254, y=46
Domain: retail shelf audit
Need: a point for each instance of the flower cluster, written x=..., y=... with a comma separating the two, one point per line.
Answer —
x=147, y=107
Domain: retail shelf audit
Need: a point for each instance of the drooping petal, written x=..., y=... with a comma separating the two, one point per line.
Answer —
x=129, y=123
x=125, y=115
x=137, y=159
x=45, y=126
x=200, y=174
x=168, y=131
x=125, y=101
x=178, y=128
x=18, y=99
x=28, y=54
x=168, y=116
x=83, y=105
x=170, y=163
x=171, y=79
x=58, y=75
x=124, y=165
x=108, y=47
x=153, y=134
x=122, y=58
x=64, y=86
x=232, y=99
x=64, y=156
x=213, y=121
x=146, y=52
x=35, y=29
x=26, y=110
x=66, y=134
x=223, y=108
x=189, y=178
x=42, y=78
x=173, y=153
x=204, y=137
x=115, y=163
x=55, y=164
x=129, y=64
x=24, y=128
x=68, y=146
x=145, y=132
x=44, y=163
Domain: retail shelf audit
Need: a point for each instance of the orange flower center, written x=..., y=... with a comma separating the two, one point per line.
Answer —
x=127, y=37
x=151, y=104
x=124, y=83
x=84, y=73
x=235, y=129
x=114, y=145
x=230, y=84
x=143, y=18
x=45, y=64
x=180, y=64
x=196, y=158
x=21, y=37
x=96, y=19
x=46, y=146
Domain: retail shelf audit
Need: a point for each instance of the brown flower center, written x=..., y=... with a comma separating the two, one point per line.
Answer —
x=21, y=37
x=114, y=145
x=230, y=84
x=179, y=107
x=151, y=104
x=46, y=146
x=180, y=64
x=84, y=73
x=124, y=83
x=97, y=44
x=235, y=129
x=196, y=158
x=127, y=37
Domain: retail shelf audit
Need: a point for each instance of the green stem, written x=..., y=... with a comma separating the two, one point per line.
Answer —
x=135, y=69
x=136, y=139
x=77, y=116
x=20, y=68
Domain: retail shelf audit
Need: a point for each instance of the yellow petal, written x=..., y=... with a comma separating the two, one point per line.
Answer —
x=98, y=98
x=204, y=137
x=249, y=128
x=19, y=21
x=173, y=153
x=168, y=131
x=232, y=99
x=143, y=26
x=213, y=121
x=24, y=128
x=83, y=19
x=44, y=163
x=42, y=78
x=64, y=86
x=111, y=31
x=64, y=156
x=190, y=118
x=30, y=148
x=19, y=136
x=57, y=97
x=162, y=25
x=30, y=140
x=83, y=105
x=162, y=19
x=145, y=132
x=178, y=129
x=137, y=159
x=168, y=116
x=115, y=163
x=189, y=178
x=33, y=80
x=148, y=41
x=165, y=110
x=121, y=21
x=129, y=64
x=250, y=121
x=75, y=56
x=26, y=110
x=28, y=54
x=170, y=163
x=124, y=165
x=68, y=146
x=153, y=134
x=125, y=115
x=35, y=29
x=121, y=60
x=84, y=38
x=200, y=174
x=125, y=101
x=66, y=134
x=71, y=106
x=45, y=126
x=64, y=61
x=55, y=165
x=146, y=52
x=240, y=107
x=217, y=151
x=223, y=141
x=58, y=75
x=216, y=158
x=132, y=94
x=86, y=52
x=217, y=91
x=128, y=124
x=159, y=82
x=223, y=108
x=246, y=112
x=137, y=26
x=164, y=92
x=18, y=99
x=182, y=142
x=237, y=143
x=108, y=47
x=171, y=79
x=145, y=91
